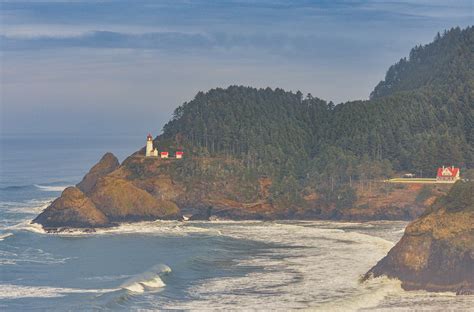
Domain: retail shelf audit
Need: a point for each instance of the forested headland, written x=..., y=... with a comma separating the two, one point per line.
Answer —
x=272, y=154
x=420, y=117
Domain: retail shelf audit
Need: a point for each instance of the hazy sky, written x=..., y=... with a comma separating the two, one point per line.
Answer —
x=111, y=66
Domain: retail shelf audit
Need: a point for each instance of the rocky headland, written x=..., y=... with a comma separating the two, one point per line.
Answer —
x=145, y=188
x=436, y=253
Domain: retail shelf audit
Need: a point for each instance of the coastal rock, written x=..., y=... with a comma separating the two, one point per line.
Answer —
x=120, y=200
x=436, y=253
x=106, y=165
x=72, y=209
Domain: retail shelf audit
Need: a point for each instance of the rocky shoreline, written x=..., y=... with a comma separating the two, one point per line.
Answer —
x=436, y=253
x=142, y=189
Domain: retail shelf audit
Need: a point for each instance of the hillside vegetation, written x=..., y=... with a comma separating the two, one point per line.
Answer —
x=420, y=117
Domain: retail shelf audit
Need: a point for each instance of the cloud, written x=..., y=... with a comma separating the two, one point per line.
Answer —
x=134, y=61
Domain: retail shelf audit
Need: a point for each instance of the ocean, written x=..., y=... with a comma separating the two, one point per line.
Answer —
x=160, y=265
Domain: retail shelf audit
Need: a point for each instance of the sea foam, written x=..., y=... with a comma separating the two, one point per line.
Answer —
x=11, y=291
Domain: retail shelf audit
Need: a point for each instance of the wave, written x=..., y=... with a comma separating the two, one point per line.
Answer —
x=33, y=206
x=370, y=295
x=15, y=187
x=158, y=227
x=27, y=225
x=5, y=235
x=148, y=281
x=46, y=188
x=11, y=291
x=51, y=188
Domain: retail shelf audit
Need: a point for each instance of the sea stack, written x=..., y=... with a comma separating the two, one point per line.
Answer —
x=436, y=253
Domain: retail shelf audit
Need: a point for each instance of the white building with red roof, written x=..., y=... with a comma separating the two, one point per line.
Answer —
x=448, y=174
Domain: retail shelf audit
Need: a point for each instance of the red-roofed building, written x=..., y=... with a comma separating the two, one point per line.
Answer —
x=179, y=155
x=164, y=154
x=448, y=174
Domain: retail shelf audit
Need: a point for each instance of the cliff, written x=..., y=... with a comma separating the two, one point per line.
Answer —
x=151, y=188
x=72, y=209
x=104, y=196
x=106, y=165
x=436, y=253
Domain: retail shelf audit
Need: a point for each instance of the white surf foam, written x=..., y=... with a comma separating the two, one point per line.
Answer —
x=11, y=291
x=369, y=295
x=313, y=264
x=27, y=225
x=33, y=206
x=56, y=188
x=5, y=235
x=158, y=227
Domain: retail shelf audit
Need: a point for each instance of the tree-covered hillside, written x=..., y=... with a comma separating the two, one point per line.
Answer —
x=444, y=63
x=420, y=117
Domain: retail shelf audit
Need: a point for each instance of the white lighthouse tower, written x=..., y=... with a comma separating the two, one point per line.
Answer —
x=149, y=146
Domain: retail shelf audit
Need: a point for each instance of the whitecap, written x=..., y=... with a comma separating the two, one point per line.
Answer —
x=147, y=281
x=5, y=235
x=27, y=225
x=52, y=188
x=33, y=206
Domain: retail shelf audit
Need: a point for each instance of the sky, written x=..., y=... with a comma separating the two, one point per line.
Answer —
x=122, y=67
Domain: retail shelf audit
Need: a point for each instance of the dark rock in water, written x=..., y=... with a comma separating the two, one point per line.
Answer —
x=106, y=165
x=72, y=209
x=436, y=253
x=202, y=216
x=465, y=292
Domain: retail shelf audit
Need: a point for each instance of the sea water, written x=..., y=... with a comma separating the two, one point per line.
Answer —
x=161, y=265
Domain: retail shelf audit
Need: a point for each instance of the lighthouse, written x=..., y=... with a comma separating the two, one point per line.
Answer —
x=149, y=146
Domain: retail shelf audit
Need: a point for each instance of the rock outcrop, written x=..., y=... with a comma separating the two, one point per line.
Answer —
x=436, y=253
x=106, y=165
x=106, y=195
x=120, y=200
x=72, y=209
x=144, y=188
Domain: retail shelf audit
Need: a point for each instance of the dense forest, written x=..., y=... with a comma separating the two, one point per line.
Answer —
x=420, y=117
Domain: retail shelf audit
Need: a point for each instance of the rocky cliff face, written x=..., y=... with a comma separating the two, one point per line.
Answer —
x=72, y=209
x=106, y=165
x=436, y=253
x=150, y=188
x=106, y=195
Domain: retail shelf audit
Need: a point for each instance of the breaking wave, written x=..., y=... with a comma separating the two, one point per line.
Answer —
x=148, y=281
x=370, y=294
x=27, y=225
x=52, y=188
x=158, y=227
x=28, y=207
x=5, y=235
x=46, y=188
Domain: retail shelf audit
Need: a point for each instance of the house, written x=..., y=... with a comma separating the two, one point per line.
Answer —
x=448, y=174
x=179, y=155
x=164, y=154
